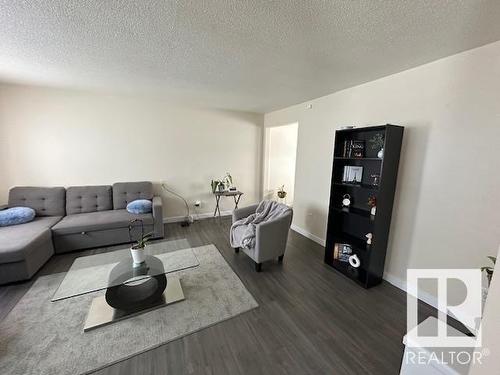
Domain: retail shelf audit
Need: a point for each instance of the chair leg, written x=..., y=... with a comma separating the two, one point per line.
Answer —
x=280, y=258
x=258, y=267
x=236, y=250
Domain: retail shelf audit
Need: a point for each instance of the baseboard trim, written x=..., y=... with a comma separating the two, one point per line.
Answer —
x=402, y=284
x=307, y=234
x=205, y=215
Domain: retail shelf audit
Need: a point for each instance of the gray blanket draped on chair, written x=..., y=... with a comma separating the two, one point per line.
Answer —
x=266, y=211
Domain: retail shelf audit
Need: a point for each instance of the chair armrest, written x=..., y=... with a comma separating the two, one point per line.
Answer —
x=240, y=213
x=157, y=212
x=271, y=237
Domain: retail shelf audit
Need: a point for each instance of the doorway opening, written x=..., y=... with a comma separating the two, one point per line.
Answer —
x=279, y=162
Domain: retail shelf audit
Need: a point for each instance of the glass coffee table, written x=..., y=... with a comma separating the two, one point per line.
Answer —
x=131, y=289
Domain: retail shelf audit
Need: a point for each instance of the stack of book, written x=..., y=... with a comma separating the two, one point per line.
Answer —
x=354, y=149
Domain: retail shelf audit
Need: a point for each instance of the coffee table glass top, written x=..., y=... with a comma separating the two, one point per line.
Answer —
x=92, y=273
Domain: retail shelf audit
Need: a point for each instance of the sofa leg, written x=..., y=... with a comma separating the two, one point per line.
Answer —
x=258, y=267
x=236, y=250
x=280, y=258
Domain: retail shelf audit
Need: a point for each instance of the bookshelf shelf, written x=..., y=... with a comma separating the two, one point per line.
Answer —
x=361, y=159
x=375, y=178
x=355, y=211
x=358, y=186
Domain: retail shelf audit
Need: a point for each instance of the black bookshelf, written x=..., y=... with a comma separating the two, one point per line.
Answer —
x=349, y=225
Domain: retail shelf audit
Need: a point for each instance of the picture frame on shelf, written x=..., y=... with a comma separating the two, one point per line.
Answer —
x=353, y=174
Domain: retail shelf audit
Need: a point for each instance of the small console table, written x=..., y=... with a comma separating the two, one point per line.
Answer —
x=236, y=194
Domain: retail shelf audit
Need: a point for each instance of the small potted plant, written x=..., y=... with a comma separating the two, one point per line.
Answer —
x=377, y=142
x=227, y=181
x=137, y=250
x=221, y=185
x=489, y=269
x=282, y=192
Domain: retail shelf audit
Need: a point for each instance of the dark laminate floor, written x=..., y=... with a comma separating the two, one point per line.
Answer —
x=311, y=319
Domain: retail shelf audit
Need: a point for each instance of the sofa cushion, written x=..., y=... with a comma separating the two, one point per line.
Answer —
x=126, y=192
x=82, y=199
x=45, y=201
x=16, y=215
x=94, y=221
x=15, y=240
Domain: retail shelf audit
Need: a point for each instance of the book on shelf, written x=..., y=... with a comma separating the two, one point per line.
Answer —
x=353, y=149
x=342, y=252
x=357, y=149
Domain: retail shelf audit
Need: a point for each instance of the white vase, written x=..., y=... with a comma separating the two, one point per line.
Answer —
x=138, y=256
x=373, y=210
x=380, y=154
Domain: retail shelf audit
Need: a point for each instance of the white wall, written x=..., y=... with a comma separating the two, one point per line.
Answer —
x=63, y=137
x=447, y=206
x=280, y=159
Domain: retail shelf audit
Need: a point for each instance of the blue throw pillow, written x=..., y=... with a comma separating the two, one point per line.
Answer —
x=16, y=215
x=140, y=206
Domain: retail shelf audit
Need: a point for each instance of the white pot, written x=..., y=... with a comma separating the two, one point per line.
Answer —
x=138, y=256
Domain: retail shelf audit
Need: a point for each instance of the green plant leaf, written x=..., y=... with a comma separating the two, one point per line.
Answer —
x=493, y=259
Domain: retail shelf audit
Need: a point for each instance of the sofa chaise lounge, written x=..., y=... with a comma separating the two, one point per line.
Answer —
x=75, y=218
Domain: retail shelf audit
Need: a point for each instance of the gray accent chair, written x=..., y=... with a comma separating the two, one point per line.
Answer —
x=270, y=236
x=97, y=216
x=70, y=219
x=26, y=247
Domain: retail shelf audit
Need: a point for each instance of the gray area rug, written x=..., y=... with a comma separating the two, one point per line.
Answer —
x=43, y=337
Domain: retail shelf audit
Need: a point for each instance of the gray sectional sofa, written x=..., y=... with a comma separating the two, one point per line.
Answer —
x=75, y=218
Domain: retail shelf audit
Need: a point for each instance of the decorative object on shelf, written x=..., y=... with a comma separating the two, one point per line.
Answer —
x=372, y=202
x=375, y=179
x=369, y=237
x=346, y=200
x=377, y=142
x=342, y=252
x=282, y=192
x=489, y=269
x=354, y=261
x=137, y=250
x=352, y=174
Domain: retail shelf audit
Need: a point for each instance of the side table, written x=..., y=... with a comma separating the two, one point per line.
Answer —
x=236, y=194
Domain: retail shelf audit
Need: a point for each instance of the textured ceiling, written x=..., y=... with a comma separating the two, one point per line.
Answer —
x=247, y=55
